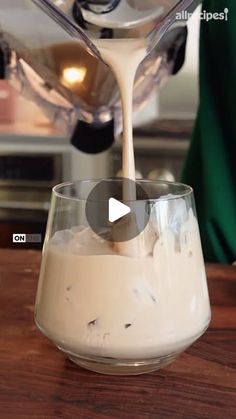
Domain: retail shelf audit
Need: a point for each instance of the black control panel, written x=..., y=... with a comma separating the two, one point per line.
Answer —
x=27, y=168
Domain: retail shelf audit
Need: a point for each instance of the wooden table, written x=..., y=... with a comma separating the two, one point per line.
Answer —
x=37, y=381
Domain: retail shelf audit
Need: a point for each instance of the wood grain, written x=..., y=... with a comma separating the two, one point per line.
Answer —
x=37, y=381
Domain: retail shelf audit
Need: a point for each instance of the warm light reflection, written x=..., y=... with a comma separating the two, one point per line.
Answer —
x=73, y=75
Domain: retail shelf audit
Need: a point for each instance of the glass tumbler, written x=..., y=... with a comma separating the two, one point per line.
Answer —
x=123, y=308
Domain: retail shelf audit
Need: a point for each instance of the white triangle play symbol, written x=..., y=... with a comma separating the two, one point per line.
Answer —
x=116, y=210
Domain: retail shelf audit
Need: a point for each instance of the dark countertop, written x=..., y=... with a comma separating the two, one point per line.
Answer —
x=37, y=381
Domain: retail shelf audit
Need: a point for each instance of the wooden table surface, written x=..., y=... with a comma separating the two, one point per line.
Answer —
x=37, y=381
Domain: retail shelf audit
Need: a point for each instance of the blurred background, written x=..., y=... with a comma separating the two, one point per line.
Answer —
x=34, y=156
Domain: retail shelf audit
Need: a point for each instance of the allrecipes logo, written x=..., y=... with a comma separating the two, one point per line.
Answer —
x=203, y=15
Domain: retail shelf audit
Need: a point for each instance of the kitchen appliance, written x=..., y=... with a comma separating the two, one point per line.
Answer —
x=29, y=167
x=54, y=62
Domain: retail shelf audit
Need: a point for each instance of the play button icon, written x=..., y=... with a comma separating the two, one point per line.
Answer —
x=115, y=215
x=117, y=210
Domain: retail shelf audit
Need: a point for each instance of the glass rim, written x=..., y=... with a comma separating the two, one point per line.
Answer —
x=188, y=192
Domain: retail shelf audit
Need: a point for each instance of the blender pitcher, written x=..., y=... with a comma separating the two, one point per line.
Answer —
x=54, y=62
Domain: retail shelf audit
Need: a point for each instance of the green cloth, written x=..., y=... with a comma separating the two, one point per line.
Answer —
x=210, y=166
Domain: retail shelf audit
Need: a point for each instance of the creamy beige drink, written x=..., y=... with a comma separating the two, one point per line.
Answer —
x=142, y=299
x=93, y=301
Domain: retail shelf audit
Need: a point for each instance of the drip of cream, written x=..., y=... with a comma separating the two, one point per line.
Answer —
x=124, y=57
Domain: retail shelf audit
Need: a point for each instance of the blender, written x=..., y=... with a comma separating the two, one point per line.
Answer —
x=50, y=57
